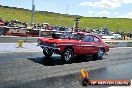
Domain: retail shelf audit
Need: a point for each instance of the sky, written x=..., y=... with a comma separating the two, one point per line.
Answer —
x=87, y=8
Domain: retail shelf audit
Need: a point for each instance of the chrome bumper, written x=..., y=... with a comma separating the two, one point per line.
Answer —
x=43, y=47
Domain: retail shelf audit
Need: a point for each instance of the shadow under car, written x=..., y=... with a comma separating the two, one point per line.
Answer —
x=56, y=60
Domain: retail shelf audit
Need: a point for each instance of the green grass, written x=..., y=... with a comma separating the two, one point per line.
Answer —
x=24, y=15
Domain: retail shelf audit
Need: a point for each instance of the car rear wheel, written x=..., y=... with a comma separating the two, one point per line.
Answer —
x=99, y=55
x=67, y=55
x=47, y=52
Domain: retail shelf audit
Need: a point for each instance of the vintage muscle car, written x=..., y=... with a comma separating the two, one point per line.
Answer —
x=76, y=44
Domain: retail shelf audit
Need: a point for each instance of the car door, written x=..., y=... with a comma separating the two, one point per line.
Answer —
x=87, y=45
x=97, y=43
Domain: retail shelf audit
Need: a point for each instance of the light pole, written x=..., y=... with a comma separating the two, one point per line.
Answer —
x=66, y=9
x=33, y=12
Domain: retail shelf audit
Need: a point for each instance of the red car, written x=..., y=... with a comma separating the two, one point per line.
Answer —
x=76, y=44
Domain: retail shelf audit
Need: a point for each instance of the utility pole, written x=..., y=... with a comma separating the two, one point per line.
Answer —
x=33, y=12
x=67, y=9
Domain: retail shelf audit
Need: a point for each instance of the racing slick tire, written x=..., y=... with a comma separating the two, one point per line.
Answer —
x=47, y=52
x=67, y=55
x=99, y=55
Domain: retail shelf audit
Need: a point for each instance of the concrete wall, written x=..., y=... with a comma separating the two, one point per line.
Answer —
x=120, y=44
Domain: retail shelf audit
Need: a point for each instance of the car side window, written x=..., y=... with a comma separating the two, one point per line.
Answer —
x=96, y=39
x=79, y=36
x=88, y=39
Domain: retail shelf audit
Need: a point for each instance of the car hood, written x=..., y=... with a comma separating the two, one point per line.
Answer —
x=58, y=41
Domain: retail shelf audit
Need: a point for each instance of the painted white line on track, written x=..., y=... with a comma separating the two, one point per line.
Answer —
x=19, y=51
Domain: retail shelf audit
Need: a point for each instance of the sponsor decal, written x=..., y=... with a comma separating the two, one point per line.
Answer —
x=85, y=81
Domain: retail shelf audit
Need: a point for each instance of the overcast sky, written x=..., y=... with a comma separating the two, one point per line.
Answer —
x=87, y=8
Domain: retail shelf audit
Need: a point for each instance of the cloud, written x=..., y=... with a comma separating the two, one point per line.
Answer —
x=111, y=4
x=45, y=3
x=127, y=15
x=116, y=13
x=91, y=12
x=87, y=4
x=103, y=13
x=126, y=1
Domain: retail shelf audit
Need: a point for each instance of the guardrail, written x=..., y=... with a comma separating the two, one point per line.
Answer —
x=120, y=43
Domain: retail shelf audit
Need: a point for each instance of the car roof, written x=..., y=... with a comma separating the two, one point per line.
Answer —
x=84, y=33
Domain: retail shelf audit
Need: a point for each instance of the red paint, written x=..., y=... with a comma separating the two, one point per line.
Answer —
x=79, y=46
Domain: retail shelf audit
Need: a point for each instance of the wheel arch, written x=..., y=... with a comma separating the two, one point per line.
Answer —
x=70, y=48
x=103, y=48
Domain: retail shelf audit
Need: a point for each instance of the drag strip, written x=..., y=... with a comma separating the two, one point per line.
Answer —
x=36, y=71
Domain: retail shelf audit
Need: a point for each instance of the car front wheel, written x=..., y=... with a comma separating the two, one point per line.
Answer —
x=47, y=52
x=67, y=55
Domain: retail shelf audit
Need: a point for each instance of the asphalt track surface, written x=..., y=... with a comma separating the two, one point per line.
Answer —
x=33, y=70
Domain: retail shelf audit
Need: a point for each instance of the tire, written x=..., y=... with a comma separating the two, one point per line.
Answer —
x=47, y=52
x=67, y=55
x=99, y=55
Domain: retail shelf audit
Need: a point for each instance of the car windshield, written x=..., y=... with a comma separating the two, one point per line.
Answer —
x=62, y=35
x=68, y=35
